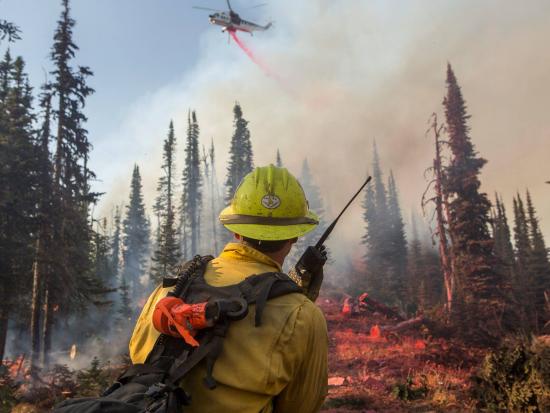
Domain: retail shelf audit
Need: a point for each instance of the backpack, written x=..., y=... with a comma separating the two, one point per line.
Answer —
x=154, y=385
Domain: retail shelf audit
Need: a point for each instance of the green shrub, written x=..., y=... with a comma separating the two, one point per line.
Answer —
x=515, y=378
x=409, y=391
x=93, y=381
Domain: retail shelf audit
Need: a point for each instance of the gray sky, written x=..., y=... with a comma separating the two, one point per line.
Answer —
x=347, y=72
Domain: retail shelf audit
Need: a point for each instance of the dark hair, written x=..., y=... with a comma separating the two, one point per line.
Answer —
x=265, y=246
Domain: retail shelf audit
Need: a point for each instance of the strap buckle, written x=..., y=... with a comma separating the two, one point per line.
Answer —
x=156, y=390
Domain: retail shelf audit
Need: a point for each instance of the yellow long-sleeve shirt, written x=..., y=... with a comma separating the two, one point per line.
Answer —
x=278, y=367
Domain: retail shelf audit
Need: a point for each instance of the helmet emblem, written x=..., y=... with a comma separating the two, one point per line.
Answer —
x=271, y=201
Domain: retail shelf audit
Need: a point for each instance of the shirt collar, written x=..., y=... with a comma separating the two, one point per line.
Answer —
x=236, y=250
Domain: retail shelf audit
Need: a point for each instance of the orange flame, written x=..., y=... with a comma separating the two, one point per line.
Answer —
x=375, y=332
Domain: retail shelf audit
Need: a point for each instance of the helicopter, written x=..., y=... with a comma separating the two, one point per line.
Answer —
x=230, y=21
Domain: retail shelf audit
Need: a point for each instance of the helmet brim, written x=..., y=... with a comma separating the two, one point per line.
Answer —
x=270, y=232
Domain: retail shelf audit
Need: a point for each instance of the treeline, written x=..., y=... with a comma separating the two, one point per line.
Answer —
x=46, y=241
x=486, y=285
x=398, y=272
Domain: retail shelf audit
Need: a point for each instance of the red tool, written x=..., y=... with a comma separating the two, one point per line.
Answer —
x=176, y=318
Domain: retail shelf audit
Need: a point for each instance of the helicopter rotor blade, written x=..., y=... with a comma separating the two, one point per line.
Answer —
x=205, y=8
x=257, y=6
x=229, y=5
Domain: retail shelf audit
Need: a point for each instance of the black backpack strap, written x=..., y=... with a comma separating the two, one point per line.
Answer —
x=216, y=347
x=186, y=273
x=258, y=289
x=261, y=299
x=179, y=370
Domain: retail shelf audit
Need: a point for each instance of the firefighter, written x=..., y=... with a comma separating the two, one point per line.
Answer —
x=280, y=366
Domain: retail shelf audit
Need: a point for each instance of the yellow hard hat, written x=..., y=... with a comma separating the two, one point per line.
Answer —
x=269, y=205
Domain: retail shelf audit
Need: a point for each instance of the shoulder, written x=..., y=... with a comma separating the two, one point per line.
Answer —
x=299, y=314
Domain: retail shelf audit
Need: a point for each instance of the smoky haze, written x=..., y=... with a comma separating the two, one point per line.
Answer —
x=349, y=72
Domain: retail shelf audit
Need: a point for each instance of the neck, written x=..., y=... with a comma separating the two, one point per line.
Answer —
x=278, y=257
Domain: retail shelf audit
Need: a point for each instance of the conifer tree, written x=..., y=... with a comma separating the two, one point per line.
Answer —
x=523, y=253
x=240, y=153
x=125, y=309
x=42, y=259
x=502, y=238
x=432, y=278
x=539, y=267
x=115, y=244
x=442, y=233
x=315, y=202
x=278, y=160
x=102, y=257
x=167, y=254
x=191, y=202
x=478, y=282
x=18, y=169
x=215, y=198
x=397, y=270
x=378, y=256
x=71, y=281
x=9, y=31
x=415, y=282
x=373, y=281
x=135, y=235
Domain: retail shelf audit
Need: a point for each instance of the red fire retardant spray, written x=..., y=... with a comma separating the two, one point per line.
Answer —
x=253, y=57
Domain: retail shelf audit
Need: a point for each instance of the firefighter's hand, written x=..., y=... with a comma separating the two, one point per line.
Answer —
x=314, y=259
x=313, y=262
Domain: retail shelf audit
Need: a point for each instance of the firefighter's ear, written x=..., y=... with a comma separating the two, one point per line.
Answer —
x=238, y=237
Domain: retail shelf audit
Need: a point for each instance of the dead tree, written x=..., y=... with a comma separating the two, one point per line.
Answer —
x=441, y=215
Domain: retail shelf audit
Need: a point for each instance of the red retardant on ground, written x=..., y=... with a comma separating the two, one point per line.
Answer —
x=373, y=371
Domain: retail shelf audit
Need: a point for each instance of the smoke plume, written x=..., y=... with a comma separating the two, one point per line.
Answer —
x=360, y=71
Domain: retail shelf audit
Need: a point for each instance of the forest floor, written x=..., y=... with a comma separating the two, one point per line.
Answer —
x=409, y=371
x=369, y=370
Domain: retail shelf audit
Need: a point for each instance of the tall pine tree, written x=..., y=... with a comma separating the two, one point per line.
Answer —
x=71, y=282
x=211, y=215
x=43, y=254
x=397, y=241
x=442, y=233
x=479, y=285
x=9, y=31
x=167, y=253
x=135, y=238
x=278, y=160
x=379, y=258
x=18, y=186
x=539, y=268
x=315, y=202
x=240, y=153
x=115, y=243
x=191, y=202
x=415, y=281
x=521, y=286
x=502, y=238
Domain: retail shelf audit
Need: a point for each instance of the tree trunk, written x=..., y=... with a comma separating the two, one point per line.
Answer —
x=3, y=332
x=47, y=329
x=36, y=303
x=214, y=218
x=440, y=203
